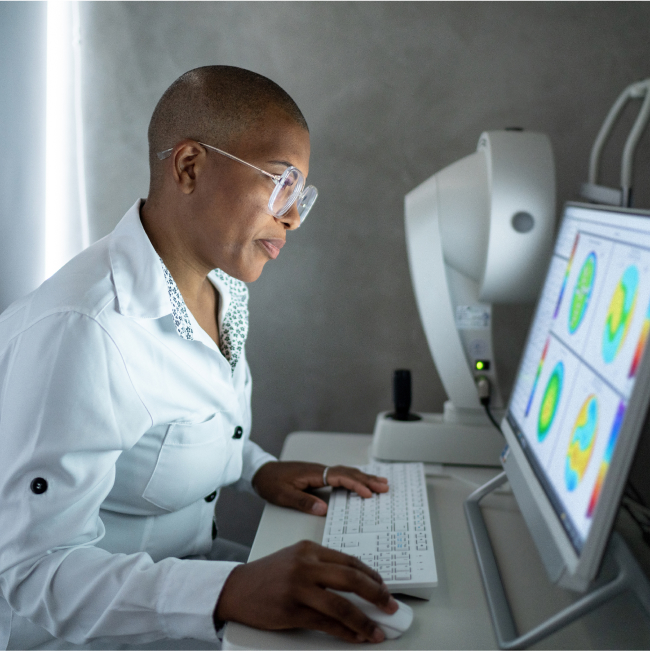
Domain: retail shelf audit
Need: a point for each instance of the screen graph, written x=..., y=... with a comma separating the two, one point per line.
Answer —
x=579, y=367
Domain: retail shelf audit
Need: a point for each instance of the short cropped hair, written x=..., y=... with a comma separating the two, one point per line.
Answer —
x=214, y=104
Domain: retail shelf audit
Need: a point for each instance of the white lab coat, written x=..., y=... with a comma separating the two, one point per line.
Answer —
x=131, y=427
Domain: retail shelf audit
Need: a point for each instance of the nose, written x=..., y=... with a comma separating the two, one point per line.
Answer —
x=291, y=218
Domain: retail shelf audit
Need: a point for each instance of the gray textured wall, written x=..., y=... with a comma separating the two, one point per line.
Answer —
x=392, y=92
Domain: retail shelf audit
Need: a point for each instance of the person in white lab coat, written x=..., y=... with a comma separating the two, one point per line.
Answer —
x=125, y=403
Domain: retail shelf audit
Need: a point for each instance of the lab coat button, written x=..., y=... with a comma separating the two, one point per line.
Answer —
x=210, y=497
x=38, y=485
x=239, y=430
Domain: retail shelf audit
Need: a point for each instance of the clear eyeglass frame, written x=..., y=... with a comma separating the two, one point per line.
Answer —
x=289, y=186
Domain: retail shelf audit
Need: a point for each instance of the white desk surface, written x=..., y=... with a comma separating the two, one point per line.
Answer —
x=457, y=615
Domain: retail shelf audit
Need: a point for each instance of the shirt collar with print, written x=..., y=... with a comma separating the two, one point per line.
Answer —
x=144, y=290
x=233, y=328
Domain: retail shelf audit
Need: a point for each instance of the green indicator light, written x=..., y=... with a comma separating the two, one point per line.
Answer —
x=479, y=366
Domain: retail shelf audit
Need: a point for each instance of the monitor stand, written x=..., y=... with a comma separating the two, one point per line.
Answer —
x=629, y=575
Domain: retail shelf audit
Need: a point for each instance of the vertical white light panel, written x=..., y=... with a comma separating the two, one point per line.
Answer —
x=66, y=222
x=79, y=126
x=57, y=144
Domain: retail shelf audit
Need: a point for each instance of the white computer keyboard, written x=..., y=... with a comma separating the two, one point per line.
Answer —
x=390, y=532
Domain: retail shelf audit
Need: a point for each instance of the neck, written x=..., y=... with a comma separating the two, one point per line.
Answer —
x=163, y=232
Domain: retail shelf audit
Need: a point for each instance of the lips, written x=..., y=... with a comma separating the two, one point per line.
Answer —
x=272, y=246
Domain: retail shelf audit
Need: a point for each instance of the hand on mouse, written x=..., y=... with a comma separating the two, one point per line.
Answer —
x=288, y=590
x=285, y=483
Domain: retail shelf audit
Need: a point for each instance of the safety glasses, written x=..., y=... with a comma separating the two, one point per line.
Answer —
x=289, y=186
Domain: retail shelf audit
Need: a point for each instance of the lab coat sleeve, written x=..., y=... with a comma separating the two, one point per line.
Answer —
x=68, y=409
x=254, y=459
x=253, y=456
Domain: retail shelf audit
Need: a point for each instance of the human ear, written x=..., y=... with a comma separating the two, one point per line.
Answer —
x=188, y=160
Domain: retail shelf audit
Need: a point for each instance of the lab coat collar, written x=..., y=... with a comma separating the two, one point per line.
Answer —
x=137, y=273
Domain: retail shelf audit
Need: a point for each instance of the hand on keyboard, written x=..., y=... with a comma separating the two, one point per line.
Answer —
x=285, y=483
x=288, y=589
x=390, y=532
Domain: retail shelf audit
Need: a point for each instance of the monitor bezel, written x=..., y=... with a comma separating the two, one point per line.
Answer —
x=579, y=569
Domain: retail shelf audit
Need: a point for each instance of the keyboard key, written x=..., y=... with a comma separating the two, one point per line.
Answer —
x=390, y=531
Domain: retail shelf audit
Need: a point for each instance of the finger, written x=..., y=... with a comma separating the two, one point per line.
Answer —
x=378, y=484
x=309, y=476
x=353, y=479
x=328, y=555
x=349, y=574
x=332, y=556
x=336, y=611
x=347, y=579
x=375, y=478
x=301, y=501
x=322, y=554
x=356, y=485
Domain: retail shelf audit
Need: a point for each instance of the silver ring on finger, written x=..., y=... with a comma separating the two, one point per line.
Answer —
x=325, y=476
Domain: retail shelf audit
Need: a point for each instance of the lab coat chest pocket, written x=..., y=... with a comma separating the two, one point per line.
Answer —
x=194, y=460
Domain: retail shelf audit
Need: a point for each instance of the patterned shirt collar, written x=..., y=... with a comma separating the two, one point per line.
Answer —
x=179, y=309
x=233, y=329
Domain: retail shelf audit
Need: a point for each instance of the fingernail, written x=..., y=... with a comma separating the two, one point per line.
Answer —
x=377, y=635
x=319, y=508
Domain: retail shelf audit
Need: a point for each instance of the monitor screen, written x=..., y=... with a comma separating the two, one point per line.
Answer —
x=578, y=372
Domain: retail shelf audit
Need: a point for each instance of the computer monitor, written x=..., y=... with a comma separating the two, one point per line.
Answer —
x=581, y=394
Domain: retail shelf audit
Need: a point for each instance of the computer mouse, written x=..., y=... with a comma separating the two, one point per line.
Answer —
x=392, y=625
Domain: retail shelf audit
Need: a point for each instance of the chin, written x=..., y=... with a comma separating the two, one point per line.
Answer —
x=248, y=274
x=250, y=278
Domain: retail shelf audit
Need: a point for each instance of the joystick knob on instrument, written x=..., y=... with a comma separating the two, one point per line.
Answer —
x=402, y=396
